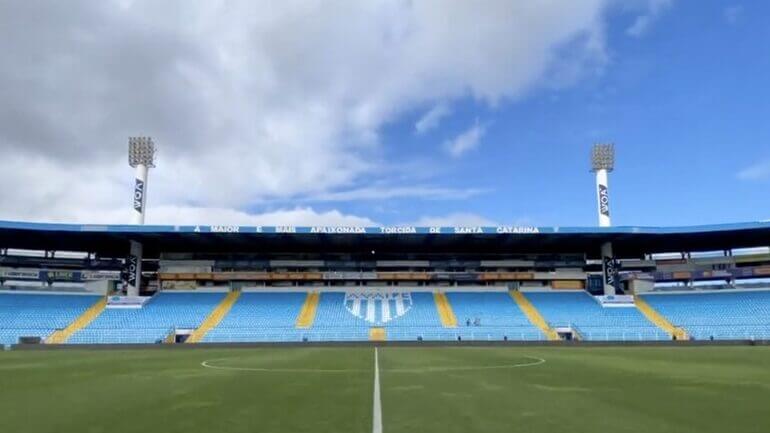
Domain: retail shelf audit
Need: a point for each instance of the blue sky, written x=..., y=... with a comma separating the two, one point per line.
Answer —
x=438, y=112
x=686, y=103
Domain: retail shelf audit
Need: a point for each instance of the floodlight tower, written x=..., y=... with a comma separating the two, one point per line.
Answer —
x=141, y=156
x=603, y=162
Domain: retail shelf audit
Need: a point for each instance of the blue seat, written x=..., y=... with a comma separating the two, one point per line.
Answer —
x=39, y=315
x=492, y=315
x=260, y=317
x=160, y=315
x=405, y=316
x=584, y=314
x=729, y=315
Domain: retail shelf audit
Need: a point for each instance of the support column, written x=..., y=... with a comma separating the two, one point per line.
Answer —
x=609, y=270
x=140, y=194
x=134, y=265
x=602, y=162
x=603, y=198
x=141, y=156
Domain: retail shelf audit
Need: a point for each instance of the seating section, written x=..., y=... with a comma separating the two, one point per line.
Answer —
x=260, y=317
x=162, y=314
x=420, y=320
x=404, y=316
x=333, y=322
x=579, y=311
x=491, y=316
x=33, y=315
x=714, y=315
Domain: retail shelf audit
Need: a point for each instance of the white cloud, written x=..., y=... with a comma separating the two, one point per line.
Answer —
x=247, y=102
x=757, y=171
x=432, y=118
x=458, y=219
x=104, y=195
x=385, y=193
x=642, y=22
x=465, y=141
x=300, y=216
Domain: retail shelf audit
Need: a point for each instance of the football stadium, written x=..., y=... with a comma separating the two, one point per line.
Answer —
x=384, y=216
x=275, y=328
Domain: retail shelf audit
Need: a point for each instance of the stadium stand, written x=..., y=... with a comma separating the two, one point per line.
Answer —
x=421, y=320
x=214, y=318
x=580, y=312
x=491, y=316
x=33, y=315
x=403, y=316
x=717, y=315
x=333, y=322
x=382, y=315
x=533, y=315
x=152, y=323
x=260, y=317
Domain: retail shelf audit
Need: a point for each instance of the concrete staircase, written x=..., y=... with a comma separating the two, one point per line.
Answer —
x=447, y=316
x=377, y=334
x=533, y=315
x=661, y=322
x=214, y=317
x=61, y=336
x=307, y=314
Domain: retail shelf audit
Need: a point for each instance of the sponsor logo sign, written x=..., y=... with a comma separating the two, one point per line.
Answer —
x=61, y=275
x=139, y=195
x=604, y=200
x=126, y=301
x=20, y=274
x=616, y=301
x=131, y=265
x=100, y=275
x=610, y=271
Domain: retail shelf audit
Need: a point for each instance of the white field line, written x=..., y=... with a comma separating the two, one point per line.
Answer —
x=377, y=407
x=210, y=363
x=535, y=361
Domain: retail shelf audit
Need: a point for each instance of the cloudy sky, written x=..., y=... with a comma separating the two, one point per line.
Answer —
x=385, y=112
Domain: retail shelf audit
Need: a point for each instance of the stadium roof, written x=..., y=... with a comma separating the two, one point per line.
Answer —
x=113, y=240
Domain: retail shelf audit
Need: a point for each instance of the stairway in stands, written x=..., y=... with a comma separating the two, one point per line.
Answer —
x=307, y=314
x=61, y=336
x=533, y=315
x=445, y=313
x=215, y=317
x=661, y=322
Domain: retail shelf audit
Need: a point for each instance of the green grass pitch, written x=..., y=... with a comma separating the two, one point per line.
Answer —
x=423, y=389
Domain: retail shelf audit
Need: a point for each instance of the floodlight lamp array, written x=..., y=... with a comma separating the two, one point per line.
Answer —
x=603, y=157
x=141, y=151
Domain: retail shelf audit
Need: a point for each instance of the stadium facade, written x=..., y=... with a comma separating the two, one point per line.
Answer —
x=65, y=283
